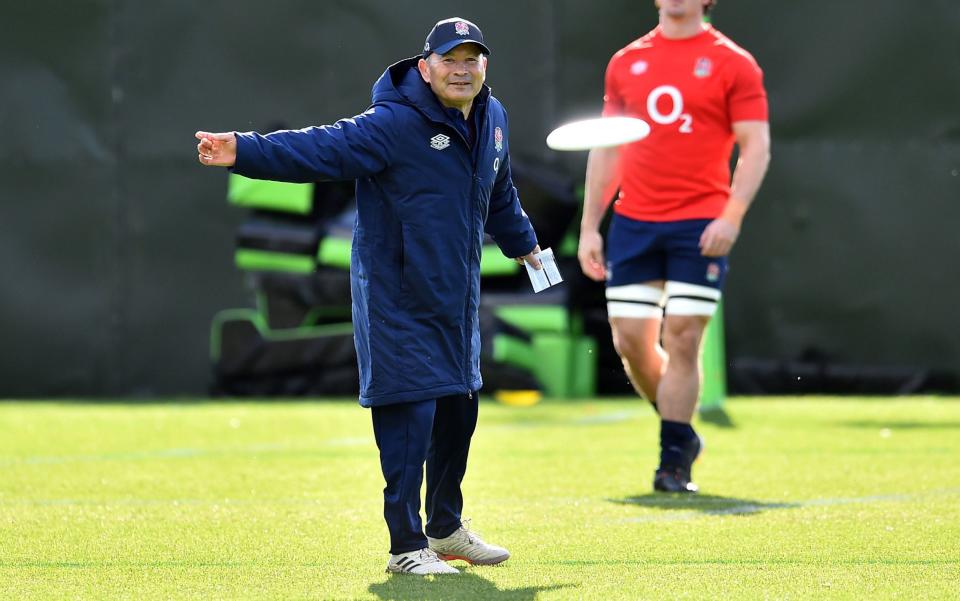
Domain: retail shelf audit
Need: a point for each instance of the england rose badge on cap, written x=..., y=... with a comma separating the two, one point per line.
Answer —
x=450, y=33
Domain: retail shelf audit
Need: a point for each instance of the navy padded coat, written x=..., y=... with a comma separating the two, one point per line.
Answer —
x=424, y=200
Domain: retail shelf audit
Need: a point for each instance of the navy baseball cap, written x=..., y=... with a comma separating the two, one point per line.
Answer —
x=450, y=33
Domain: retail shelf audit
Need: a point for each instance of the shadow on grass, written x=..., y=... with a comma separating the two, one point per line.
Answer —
x=706, y=504
x=717, y=417
x=903, y=425
x=407, y=587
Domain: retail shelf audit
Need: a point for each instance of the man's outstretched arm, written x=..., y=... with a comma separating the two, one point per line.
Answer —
x=348, y=149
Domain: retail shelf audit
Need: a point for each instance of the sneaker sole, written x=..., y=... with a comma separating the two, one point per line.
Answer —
x=389, y=571
x=479, y=562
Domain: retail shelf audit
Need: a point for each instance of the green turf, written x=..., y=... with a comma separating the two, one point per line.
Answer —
x=815, y=498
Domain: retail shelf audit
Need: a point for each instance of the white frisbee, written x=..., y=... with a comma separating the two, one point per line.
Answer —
x=601, y=132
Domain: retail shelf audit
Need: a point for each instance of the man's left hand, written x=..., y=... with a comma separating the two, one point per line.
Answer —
x=718, y=237
x=531, y=258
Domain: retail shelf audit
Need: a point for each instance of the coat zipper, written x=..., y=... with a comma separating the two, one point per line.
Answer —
x=474, y=154
x=474, y=187
x=467, y=319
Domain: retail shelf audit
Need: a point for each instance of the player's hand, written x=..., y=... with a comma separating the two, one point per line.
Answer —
x=217, y=150
x=718, y=237
x=590, y=255
x=531, y=258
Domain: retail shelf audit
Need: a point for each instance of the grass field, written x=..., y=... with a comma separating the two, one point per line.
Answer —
x=814, y=498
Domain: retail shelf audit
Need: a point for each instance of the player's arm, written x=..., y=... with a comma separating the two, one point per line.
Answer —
x=753, y=141
x=348, y=149
x=602, y=178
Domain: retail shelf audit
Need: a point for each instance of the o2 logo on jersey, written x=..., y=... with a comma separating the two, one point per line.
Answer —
x=675, y=114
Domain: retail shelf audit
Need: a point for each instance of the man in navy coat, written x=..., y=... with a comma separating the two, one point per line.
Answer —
x=431, y=159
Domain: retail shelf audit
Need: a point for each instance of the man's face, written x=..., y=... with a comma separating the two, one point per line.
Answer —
x=679, y=9
x=457, y=76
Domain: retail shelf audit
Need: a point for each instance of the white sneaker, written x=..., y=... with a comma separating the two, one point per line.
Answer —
x=469, y=547
x=420, y=562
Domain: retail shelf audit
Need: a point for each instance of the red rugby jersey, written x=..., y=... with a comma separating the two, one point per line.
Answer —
x=690, y=91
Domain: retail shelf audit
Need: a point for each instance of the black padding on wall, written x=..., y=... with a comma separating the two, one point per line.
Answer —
x=117, y=247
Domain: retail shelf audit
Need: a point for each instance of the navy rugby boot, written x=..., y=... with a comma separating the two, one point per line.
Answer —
x=675, y=476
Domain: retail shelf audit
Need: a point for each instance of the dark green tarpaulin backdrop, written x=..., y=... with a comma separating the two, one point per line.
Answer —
x=116, y=248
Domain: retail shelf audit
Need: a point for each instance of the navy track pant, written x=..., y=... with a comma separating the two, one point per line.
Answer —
x=437, y=432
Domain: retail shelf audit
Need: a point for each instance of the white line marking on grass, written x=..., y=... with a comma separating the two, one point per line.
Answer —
x=607, y=418
x=187, y=453
x=266, y=502
x=741, y=561
x=176, y=453
x=602, y=419
x=354, y=441
x=704, y=509
x=273, y=565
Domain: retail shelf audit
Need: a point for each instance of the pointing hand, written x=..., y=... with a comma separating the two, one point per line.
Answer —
x=217, y=150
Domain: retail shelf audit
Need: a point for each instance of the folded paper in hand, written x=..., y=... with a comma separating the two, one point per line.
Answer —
x=541, y=279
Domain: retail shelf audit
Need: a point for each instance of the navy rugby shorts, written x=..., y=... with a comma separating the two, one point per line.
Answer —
x=639, y=252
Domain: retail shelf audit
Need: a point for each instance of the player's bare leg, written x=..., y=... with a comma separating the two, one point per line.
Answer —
x=677, y=398
x=679, y=387
x=636, y=316
x=637, y=341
